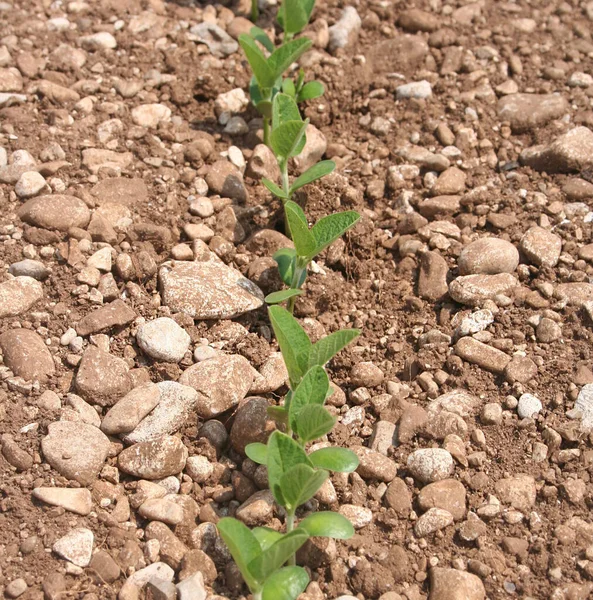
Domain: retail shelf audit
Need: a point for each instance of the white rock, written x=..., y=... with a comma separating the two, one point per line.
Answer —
x=199, y=468
x=346, y=30
x=584, y=406
x=192, y=588
x=29, y=184
x=76, y=500
x=580, y=79
x=359, y=516
x=98, y=41
x=163, y=339
x=529, y=406
x=134, y=584
x=416, y=89
x=431, y=521
x=101, y=260
x=161, y=509
x=430, y=464
x=232, y=102
x=151, y=115
x=76, y=546
x=477, y=321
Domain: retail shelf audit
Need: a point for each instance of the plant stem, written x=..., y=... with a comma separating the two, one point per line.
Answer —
x=289, y=528
x=267, y=132
x=256, y=596
x=254, y=10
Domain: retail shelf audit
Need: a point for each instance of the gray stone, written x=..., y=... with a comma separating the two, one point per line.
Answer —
x=76, y=546
x=345, y=31
x=584, y=406
x=219, y=42
x=128, y=412
x=18, y=295
x=154, y=460
x=529, y=406
x=29, y=268
x=137, y=581
x=192, y=588
x=531, y=111
x=430, y=464
x=541, y=247
x=163, y=339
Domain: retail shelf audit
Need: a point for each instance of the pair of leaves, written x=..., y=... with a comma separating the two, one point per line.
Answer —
x=302, y=91
x=294, y=15
x=310, y=242
x=260, y=554
x=317, y=171
x=297, y=350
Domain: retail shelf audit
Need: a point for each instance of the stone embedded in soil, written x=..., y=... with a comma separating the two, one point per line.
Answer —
x=458, y=402
x=29, y=268
x=199, y=468
x=29, y=184
x=433, y=520
x=137, y=580
x=398, y=498
x=541, y=247
x=105, y=568
x=529, y=406
x=55, y=211
x=262, y=163
x=359, y=516
x=452, y=584
x=401, y=54
x=18, y=295
x=120, y=190
x=219, y=42
x=172, y=549
x=572, y=151
x=272, y=375
x=576, y=293
x=163, y=339
x=475, y=322
x=252, y=424
x=448, y=494
x=415, y=89
x=76, y=546
x=151, y=115
x=15, y=455
x=78, y=501
x=518, y=491
x=366, y=374
x=155, y=459
x=432, y=276
x=161, y=509
x=26, y=355
x=520, y=369
x=440, y=206
x=177, y=402
x=373, y=465
x=473, y=290
x=16, y=588
x=127, y=413
x=345, y=31
x=221, y=382
x=192, y=588
x=531, y=111
x=584, y=406
x=225, y=179
x=207, y=290
x=75, y=449
x=313, y=151
x=415, y=20
x=483, y=355
x=430, y=464
x=95, y=159
x=257, y=510
x=79, y=410
x=102, y=378
x=108, y=316
x=488, y=256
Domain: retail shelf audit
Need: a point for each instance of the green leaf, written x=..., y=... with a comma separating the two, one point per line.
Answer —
x=327, y=524
x=257, y=452
x=313, y=421
x=325, y=167
x=285, y=109
x=302, y=237
x=287, y=583
x=264, y=108
x=294, y=15
x=277, y=554
x=293, y=341
x=262, y=71
x=300, y=484
x=289, y=88
x=243, y=546
x=340, y=460
x=286, y=261
x=326, y=348
x=330, y=228
x=282, y=296
x=283, y=454
x=278, y=413
x=286, y=54
x=275, y=189
x=266, y=536
x=310, y=91
x=258, y=34
x=288, y=140
x=311, y=390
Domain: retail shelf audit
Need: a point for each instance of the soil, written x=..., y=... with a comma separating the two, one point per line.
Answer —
x=368, y=281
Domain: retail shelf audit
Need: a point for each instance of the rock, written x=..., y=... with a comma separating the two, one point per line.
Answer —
x=75, y=449
x=231, y=102
x=416, y=89
x=433, y=520
x=10, y=80
x=163, y=339
x=16, y=588
x=78, y=501
x=106, y=569
x=398, y=498
x=401, y=54
x=18, y=295
x=225, y=179
x=192, y=588
x=157, y=589
x=251, y=424
x=314, y=149
x=101, y=260
x=114, y=314
x=219, y=42
x=488, y=256
x=155, y=459
x=366, y=374
x=257, y=510
x=199, y=468
x=15, y=455
x=576, y=294
x=177, y=402
x=531, y=111
x=30, y=184
x=95, y=159
x=481, y=354
x=584, y=406
x=263, y=163
x=452, y=584
x=572, y=151
x=518, y=491
x=29, y=268
x=54, y=585
x=440, y=206
x=76, y=546
x=432, y=276
x=272, y=375
x=520, y=369
x=151, y=115
x=120, y=190
x=79, y=410
x=161, y=509
x=449, y=183
x=373, y=465
x=27, y=355
x=359, y=516
x=345, y=31
x=135, y=583
x=473, y=290
x=128, y=412
x=430, y=464
x=541, y=247
x=448, y=494
x=414, y=20
x=477, y=321
x=221, y=382
x=172, y=550
x=102, y=40
x=57, y=94
x=102, y=378
x=55, y=211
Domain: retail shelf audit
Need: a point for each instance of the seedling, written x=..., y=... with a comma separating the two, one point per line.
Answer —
x=294, y=16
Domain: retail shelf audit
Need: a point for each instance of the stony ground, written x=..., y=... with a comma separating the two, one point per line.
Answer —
x=136, y=244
